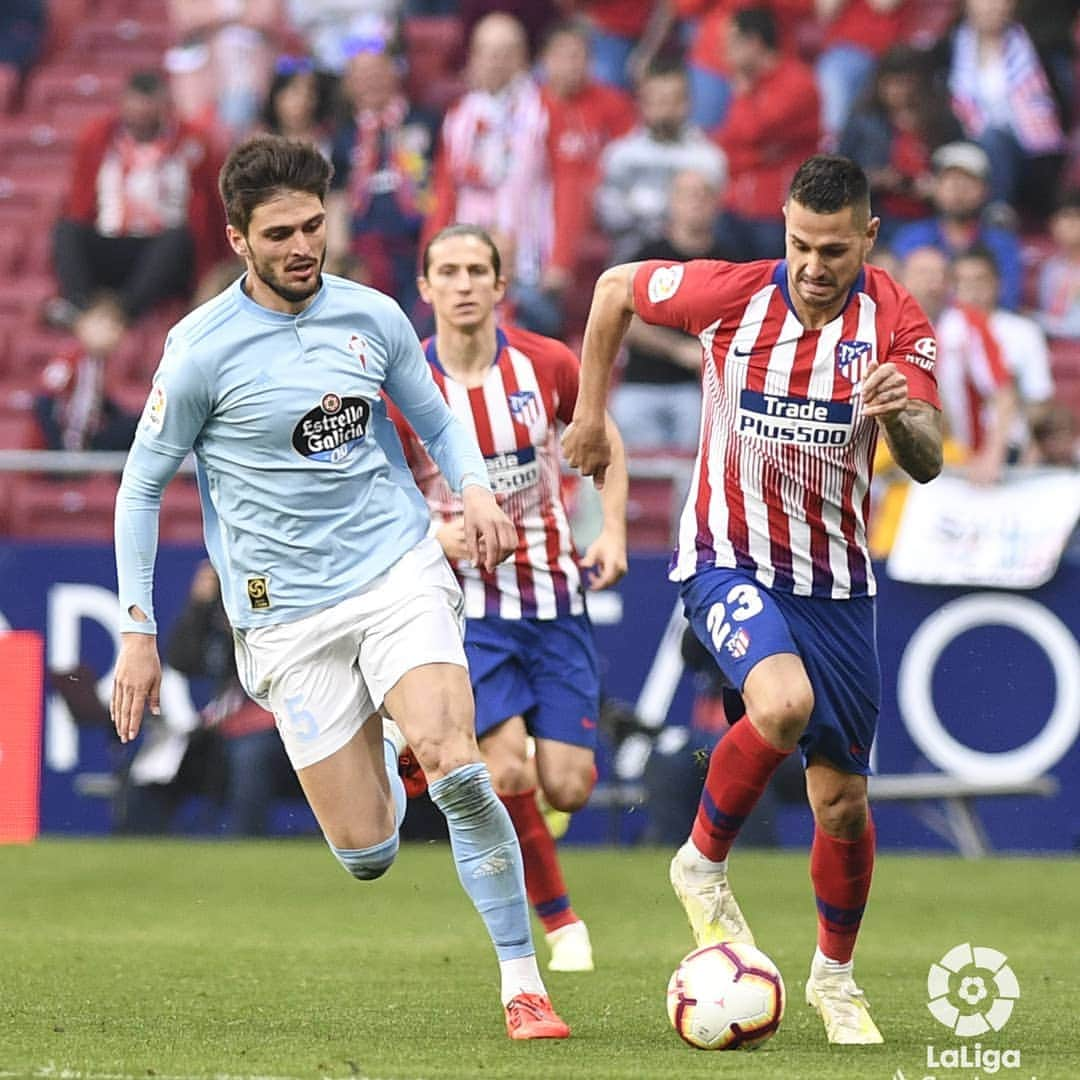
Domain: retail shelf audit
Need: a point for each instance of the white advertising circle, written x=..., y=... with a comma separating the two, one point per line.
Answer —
x=916, y=699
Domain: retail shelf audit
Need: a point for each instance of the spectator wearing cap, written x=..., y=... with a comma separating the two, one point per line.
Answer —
x=892, y=135
x=142, y=209
x=636, y=171
x=960, y=191
x=380, y=191
x=773, y=125
x=495, y=168
x=1059, y=275
x=1002, y=95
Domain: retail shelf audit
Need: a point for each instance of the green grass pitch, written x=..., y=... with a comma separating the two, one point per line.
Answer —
x=173, y=959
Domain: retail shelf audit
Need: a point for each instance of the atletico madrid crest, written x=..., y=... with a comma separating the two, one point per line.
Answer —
x=852, y=358
x=525, y=407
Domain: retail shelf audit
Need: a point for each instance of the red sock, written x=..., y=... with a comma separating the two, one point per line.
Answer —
x=741, y=764
x=841, y=871
x=543, y=877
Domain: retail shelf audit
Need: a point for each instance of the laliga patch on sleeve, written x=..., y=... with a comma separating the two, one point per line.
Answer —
x=154, y=414
x=663, y=282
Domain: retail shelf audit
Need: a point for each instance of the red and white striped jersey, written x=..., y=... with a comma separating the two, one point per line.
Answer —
x=532, y=385
x=781, y=484
x=971, y=370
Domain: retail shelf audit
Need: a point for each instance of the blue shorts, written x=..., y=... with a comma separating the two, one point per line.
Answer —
x=741, y=622
x=542, y=669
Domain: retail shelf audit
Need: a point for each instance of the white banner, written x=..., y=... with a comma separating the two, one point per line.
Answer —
x=1010, y=535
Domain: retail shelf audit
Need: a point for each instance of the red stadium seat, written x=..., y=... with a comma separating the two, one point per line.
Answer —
x=26, y=301
x=1065, y=358
x=650, y=513
x=9, y=87
x=77, y=508
x=73, y=82
x=63, y=17
x=19, y=431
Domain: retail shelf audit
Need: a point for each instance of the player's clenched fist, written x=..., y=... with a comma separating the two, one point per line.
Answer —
x=490, y=535
x=587, y=448
x=884, y=390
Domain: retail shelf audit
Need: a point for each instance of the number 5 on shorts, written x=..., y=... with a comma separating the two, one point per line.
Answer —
x=301, y=721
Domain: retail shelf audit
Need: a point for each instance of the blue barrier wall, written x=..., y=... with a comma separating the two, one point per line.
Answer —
x=992, y=667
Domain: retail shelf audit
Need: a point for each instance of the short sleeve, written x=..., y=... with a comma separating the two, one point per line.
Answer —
x=567, y=380
x=683, y=296
x=914, y=352
x=178, y=405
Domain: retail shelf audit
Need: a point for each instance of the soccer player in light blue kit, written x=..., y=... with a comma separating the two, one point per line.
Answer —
x=341, y=604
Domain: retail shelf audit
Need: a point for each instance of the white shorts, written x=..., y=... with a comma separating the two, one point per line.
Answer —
x=323, y=675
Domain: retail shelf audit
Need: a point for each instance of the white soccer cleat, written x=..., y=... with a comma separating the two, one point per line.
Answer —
x=571, y=949
x=710, y=905
x=842, y=1007
x=393, y=734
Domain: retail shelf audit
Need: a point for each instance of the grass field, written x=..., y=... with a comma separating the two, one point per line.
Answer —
x=175, y=959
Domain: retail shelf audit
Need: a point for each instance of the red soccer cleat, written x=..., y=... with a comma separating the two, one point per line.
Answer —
x=412, y=776
x=530, y=1016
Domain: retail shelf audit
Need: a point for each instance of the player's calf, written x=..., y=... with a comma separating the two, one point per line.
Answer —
x=367, y=864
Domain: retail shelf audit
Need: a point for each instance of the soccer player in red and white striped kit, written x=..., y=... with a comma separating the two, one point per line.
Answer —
x=528, y=639
x=806, y=361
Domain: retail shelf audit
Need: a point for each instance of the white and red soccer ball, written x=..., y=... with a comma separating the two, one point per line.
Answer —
x=726, y=997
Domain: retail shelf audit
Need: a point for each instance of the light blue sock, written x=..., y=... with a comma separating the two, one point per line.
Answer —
x=487, y=856
x=397, y=786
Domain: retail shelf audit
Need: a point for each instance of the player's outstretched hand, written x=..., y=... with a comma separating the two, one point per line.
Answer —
x=884, y=391
x=490, y=535
x=606, y=558
x=137, y=683
x=587, y=448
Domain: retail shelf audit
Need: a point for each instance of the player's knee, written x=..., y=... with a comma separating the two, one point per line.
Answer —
x=842, y=814
x=509, y=775
x=440, y=754
x=783, y=718
x=367, y=864
x=570, y=792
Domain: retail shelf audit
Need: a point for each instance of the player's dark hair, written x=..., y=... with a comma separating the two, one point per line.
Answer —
x=463, y=229
x=829, y=183
x=264, y=166
x=983, y=254
x=757, y=22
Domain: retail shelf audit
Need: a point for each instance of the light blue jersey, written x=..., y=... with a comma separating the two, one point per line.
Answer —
x=306, y=496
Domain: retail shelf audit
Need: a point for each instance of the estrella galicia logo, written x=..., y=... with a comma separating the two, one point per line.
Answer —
x=850, y=360
x=331, y=430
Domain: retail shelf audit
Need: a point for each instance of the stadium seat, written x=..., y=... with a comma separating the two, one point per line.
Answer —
x=63, y=17
x=650, y=513
x=9, y=87
x=26, y=302
x=72, y=82
x=75, y=508
x=19, y=431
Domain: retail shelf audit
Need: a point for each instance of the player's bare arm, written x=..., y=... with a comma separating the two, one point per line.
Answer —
x=490, y=535
x=912, y=428
x=136, y=684
x=606, y=555
x=585, y=442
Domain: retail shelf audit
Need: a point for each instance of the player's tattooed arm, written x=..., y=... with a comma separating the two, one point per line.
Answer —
x=912, y=428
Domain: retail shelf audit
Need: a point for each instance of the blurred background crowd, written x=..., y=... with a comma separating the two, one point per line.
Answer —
x=581, y=133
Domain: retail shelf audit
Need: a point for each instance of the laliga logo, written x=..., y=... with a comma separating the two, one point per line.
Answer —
x=987, y=990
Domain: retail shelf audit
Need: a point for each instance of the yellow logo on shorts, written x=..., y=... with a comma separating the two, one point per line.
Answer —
x=258, y=592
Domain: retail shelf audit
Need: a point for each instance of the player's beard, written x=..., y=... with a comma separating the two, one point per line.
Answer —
x=292, y=296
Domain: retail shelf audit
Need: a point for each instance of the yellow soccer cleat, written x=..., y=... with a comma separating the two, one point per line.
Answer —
x=571, y=949
x=709, y=903
x=843, y=1009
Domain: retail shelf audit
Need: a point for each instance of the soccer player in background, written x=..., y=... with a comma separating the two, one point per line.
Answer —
x=527, y=635
x=806, y=361
x=342, y=606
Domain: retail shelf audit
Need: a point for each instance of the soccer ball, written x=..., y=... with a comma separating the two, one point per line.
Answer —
x=726, y=997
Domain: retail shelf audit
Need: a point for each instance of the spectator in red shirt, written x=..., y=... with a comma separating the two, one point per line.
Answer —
x=142, y=210
x=773, y=125
x=855, y=34
x=705, y=25
x=585, y=116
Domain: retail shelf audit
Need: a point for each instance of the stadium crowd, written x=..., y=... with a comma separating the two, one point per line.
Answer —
x=581, y=133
